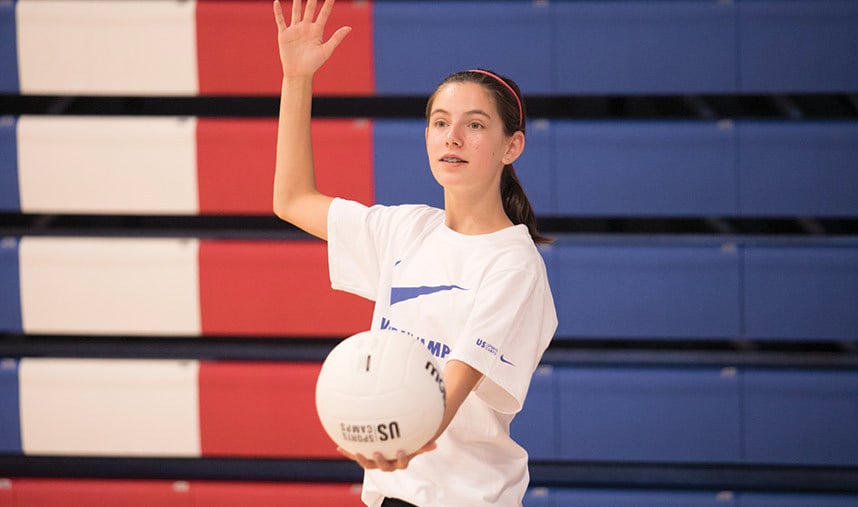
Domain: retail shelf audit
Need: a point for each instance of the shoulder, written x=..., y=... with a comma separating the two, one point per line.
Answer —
x=518, y=252
x=398, y=213
x=383, y=218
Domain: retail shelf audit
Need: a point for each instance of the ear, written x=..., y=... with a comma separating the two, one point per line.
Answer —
x=514, y=148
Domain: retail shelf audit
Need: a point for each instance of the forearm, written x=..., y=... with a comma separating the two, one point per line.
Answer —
x=294, y=173
x=296, y=198
x=459, y=380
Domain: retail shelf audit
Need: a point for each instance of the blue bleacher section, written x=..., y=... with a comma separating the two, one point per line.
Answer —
x=8, y=49
x=10, y=426
x=9, y=200
x=749, y=46
x=801, y=417
x=652, y=47
x=655, y=168
x=637, y=414
x=538, y=497
x=560, y=497
x=535, y=427
x=805, y=168
x=699, y=415
x=10, y=287
x=416, y=43
x=796, y=500
x=801, y=292
x=630, y=290
x=401, y=168
x=646, y=168
x=798, y=46
x=535, y=169
x=548, y=497
x=640, y=498
x=705, y=288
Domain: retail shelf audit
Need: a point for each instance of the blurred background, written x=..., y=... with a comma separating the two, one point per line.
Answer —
x=696, y=160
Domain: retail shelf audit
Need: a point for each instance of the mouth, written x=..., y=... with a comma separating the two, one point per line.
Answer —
x=453, y=160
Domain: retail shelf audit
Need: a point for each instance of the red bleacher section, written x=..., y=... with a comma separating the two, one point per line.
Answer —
x=103, y=493
x=274, y=495
x=236, y=54
x=261, y=410
x=235, y=165
x=146, y=493
x=274, y=288
x=342, y=153
x=235, y=162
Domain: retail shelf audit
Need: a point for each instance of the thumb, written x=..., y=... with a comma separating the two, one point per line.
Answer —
x=336, y=38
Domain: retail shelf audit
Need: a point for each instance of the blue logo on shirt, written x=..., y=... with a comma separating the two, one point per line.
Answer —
x=400, y=294
x=491, y=349
x=437, y=348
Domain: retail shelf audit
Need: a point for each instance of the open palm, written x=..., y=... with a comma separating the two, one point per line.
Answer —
x=302, y=48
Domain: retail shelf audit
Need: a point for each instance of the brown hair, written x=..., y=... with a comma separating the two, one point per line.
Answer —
x=508, y=101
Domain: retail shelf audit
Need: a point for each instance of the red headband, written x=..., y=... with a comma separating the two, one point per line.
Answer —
x=508, y=87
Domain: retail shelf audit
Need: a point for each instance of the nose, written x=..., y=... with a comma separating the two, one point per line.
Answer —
x=453, y=138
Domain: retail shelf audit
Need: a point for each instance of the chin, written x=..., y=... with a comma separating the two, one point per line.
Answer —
x=446, y=179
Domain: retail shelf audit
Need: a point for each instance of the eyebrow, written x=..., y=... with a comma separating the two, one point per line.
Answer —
x=472, y=111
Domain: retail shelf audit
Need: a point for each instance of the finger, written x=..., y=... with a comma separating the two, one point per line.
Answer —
x=431, y=446
x=364, y=462
x=336, y=38
x=402, y=460
x=278, y=15
x=359, y=458
x=327, y=7
x=310, y=11
x=296, y=12
x=383, y=463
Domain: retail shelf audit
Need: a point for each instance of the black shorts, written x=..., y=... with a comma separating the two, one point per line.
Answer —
x=395, y=502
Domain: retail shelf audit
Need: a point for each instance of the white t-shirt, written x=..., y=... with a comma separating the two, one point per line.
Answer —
x=480, y=299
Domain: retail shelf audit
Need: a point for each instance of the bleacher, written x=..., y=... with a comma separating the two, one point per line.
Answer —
x=161, y=332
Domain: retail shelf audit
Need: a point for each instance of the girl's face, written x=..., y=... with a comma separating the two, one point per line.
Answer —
x=465, y=139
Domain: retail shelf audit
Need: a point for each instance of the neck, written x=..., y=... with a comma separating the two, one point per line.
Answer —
x=475, y=215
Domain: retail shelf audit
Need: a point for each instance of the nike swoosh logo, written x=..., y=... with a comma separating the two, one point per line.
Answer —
x=505, y=360
x=400, y=294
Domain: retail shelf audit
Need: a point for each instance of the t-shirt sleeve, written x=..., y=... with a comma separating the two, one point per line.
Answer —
x=353, y=260
x=510, y=327
x=362, y=239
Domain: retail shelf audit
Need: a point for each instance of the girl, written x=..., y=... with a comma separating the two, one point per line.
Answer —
x=467, y=280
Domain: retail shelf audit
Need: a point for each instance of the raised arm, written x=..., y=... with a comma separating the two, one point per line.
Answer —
x=302, y=53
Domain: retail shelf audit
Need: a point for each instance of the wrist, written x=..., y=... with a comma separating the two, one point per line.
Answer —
x=302, y=79
x=298, y=84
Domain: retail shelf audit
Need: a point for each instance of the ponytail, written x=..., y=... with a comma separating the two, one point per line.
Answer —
x=517, y=206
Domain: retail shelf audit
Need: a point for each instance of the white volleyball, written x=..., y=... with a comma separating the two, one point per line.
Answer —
x=380, y=391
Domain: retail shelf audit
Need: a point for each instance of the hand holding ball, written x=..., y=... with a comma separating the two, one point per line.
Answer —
x=380, y=391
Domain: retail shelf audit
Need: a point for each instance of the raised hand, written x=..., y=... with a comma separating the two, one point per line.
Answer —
x=302, y=48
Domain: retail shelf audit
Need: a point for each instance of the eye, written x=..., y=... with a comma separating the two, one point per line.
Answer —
x=440, y=123
x=475, y=125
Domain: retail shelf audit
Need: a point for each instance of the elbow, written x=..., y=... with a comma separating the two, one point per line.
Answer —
x=286, y=207
x=281, y=210
x=280, y=206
